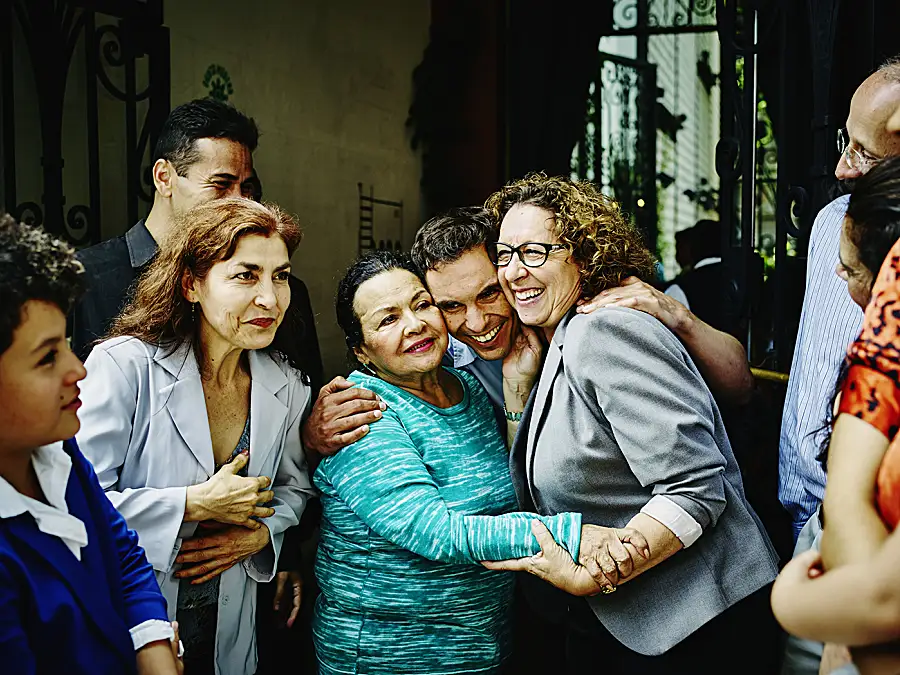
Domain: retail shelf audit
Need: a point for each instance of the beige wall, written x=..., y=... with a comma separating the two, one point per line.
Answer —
x=329, y=83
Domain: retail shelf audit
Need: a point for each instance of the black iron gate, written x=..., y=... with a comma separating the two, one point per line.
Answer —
x=783, y=96
x=125, y=49
x=618, y=150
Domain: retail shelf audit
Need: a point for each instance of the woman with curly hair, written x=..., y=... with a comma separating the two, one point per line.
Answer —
x=622, y=429
x=77, y=594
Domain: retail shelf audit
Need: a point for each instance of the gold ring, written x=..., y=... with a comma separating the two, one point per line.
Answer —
x=606, y=590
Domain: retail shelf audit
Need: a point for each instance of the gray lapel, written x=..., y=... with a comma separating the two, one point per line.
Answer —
x=268, y=409
x=186, y=403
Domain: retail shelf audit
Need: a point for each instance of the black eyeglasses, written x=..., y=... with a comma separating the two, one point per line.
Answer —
x=531, y=253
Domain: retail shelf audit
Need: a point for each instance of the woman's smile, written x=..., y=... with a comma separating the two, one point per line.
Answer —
x=421, y=346
x=527, y=296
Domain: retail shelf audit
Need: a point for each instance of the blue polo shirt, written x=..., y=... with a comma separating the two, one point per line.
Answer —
x=488, y=373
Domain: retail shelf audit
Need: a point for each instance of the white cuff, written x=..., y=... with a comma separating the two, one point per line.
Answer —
x=674, y=517
x=151, y=631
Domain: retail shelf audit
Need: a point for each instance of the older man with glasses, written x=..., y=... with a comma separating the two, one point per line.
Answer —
x=828, y=324
x=856, y=158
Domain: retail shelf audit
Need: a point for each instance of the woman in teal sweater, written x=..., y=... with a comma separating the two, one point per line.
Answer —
x=411, y=509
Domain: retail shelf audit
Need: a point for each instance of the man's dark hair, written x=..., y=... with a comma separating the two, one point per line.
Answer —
x=33, y=266
x=445, y=238
x=202, y=118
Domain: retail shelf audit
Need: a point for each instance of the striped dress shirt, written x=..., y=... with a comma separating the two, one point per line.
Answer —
x=830, y=321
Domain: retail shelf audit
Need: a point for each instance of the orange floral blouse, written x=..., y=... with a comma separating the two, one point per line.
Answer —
x=872, y=389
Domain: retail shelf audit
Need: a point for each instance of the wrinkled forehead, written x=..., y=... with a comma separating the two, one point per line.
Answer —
x=872, y=109
x=258, y=249
x=221, y=156
x=463, y=279
x=526, y=222
x=385, y=291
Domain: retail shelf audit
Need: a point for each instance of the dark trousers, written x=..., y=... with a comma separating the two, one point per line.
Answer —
x=743, y=639
x=281, y=650
x=538, y=643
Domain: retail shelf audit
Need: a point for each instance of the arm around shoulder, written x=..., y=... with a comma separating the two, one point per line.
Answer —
x=720, y=358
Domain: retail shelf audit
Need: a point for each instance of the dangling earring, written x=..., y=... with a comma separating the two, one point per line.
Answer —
x=365, y=367
x=193, y=312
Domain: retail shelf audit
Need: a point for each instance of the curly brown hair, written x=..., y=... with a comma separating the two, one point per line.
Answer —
x=602, y=242
x=34, y=265
x=160, y=313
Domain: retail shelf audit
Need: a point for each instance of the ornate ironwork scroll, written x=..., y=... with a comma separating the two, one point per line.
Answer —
x=663, y=16
x=52, y=31
x=618, y=147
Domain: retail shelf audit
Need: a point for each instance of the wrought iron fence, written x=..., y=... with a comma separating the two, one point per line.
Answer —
x=766, y=205
x=117, y=36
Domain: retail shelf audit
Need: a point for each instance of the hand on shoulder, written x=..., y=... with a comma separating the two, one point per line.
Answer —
x=639, y=295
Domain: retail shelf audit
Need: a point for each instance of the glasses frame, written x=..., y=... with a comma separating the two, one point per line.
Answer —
x=855, y=159
x=493, y=252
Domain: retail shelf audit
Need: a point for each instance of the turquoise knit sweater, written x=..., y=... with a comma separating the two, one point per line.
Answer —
x=408, y=512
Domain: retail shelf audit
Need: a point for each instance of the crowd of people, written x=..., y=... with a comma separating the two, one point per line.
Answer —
x=527, y=468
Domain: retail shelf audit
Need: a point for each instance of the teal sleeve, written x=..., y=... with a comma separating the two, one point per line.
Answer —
x=384, y=481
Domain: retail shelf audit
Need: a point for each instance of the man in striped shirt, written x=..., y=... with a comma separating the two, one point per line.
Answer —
x=830, y=321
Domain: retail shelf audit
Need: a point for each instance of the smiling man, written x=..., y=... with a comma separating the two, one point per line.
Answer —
x=204, y=152
x=452, y=250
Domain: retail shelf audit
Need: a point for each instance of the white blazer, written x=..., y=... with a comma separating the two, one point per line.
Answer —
x=145, y=429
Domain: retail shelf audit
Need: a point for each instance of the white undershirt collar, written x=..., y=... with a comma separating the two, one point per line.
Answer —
x=53, y=466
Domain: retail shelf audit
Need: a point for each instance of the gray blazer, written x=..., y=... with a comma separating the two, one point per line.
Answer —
x=145, y=429
x=621, y=414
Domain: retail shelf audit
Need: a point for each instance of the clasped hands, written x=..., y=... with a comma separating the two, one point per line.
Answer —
x=606, y=557
x=228, y=507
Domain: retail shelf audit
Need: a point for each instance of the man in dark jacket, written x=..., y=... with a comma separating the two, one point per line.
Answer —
x=204, y=152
